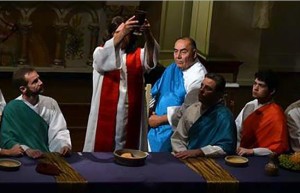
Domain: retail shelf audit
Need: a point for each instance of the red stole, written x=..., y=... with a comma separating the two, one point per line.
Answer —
x=106, y=125
x=266, y=127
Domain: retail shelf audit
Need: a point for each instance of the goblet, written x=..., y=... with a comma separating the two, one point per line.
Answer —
x=140, y=15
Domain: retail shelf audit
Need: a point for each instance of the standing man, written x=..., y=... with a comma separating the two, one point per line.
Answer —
x=33, y=120
x=116, y=117
x=207, y=127
x=261, y=124
x=169, y=92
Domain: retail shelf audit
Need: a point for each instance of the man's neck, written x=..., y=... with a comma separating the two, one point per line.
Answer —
x=31, y=99
x=204, y=107
x=264, y=101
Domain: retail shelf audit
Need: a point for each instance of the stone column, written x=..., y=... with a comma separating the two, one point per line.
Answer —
x=94, y=31
x=59, y=57
x=24, y=33
x=24, y=28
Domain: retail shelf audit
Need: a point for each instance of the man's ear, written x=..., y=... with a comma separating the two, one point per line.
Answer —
x=22, y=89
x=195, y=53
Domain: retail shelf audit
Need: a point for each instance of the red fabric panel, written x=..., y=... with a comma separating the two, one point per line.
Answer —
x=135, y=95
x=105, y=133
x=266, y=127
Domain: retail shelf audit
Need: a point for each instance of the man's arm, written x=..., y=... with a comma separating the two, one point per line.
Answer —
x=156, y=120
x=151, y=46
x=59, y=135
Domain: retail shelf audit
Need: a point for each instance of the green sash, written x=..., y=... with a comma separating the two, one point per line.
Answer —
x=21, y=124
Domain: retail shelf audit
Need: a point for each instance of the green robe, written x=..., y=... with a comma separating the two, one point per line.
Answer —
x=22, y=125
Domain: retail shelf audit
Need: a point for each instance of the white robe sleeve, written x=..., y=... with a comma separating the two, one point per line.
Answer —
x=293, y=124
x=238, y=122
x=2, y=103
x=179, y=139
x=144, y=56
x=213, y=150
x=107, y=58
x=58, y=134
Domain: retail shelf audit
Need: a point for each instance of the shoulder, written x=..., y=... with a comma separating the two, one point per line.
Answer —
x=172, y=65
x=47, y=101
x=292, y=107
x=200, y=66
x=223, y=111
x=15, y=101
x=252, y=103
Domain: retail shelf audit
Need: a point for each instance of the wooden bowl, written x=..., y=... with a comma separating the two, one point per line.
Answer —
x=237, y=161
x=9, y=164
x=130, y=157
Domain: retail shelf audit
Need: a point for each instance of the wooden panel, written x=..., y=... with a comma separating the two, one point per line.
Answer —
x=76, y=115
x=221, y=65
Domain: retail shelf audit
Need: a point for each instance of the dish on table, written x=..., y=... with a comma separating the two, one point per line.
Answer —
x=235, y=160
x=290, y=161
x=130, y=157
x=9, y=164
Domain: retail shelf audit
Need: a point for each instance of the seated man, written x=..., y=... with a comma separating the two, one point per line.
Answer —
x=261, y=124
x=169, y=92
x=292, y=113
x=207, y=127
x=32, y=120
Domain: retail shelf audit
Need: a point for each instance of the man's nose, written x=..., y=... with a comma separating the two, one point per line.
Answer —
x=178, y=55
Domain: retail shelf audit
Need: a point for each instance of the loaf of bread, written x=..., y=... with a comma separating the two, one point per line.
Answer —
x=47, y=168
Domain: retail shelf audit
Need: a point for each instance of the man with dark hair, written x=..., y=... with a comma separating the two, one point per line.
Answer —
x=33, y=120
x=116, y=117
x=170, y=91
x=207, y=127
x=261, y=124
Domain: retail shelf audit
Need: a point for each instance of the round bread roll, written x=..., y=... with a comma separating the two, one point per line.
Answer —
x=127, y=155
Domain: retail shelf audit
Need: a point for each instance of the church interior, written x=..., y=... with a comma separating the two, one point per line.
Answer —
x=234, y=38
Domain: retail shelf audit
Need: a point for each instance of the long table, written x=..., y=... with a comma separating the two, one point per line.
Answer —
x=161, y=173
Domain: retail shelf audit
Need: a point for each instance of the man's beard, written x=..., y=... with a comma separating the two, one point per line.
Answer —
x=36, y=93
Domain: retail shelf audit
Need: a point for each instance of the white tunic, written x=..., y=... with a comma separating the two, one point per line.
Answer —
x=292, y=113
x=109, y=58
x=58, y=134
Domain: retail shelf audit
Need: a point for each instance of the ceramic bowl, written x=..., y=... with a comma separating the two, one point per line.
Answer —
x=130, y=157
x=9, y=164
x=237, y=161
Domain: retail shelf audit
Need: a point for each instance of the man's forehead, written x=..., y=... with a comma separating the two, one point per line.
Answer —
x=260, y=81
x=31, y=75
x=209, y=81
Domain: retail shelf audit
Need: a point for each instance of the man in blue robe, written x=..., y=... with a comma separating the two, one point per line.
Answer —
x=169, y=92
x=207, y=128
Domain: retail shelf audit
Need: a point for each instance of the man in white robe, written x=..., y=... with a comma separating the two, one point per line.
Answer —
x=32, y=120
x=116, y=117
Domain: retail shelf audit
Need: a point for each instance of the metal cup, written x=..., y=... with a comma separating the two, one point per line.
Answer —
x=140, y=15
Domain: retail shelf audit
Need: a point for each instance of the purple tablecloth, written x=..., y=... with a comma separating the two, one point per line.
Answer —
x=161, y=173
